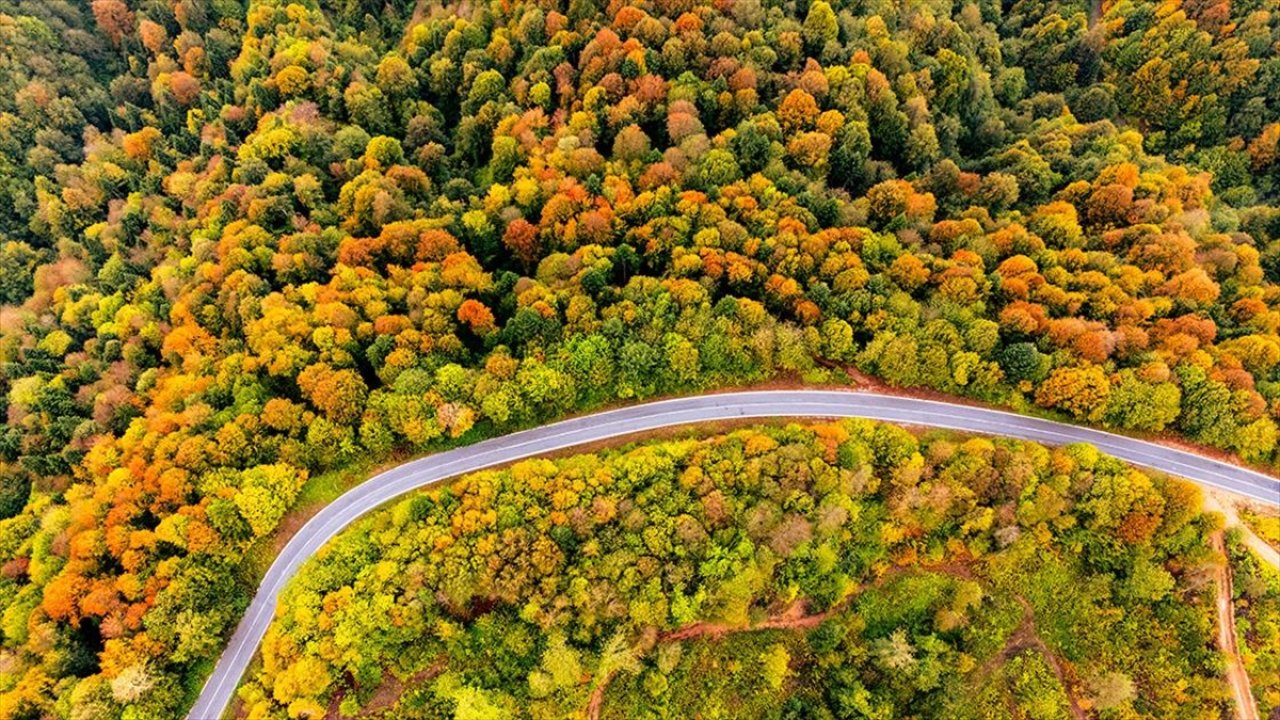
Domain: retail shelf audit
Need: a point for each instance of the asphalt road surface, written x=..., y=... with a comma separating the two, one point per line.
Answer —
x=221, y=686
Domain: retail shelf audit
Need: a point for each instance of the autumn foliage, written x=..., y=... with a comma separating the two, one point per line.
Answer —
x=244, y=245
x=843, y=545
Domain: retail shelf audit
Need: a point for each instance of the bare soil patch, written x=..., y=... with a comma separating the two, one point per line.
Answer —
x=1237, y=678
x=386, y=694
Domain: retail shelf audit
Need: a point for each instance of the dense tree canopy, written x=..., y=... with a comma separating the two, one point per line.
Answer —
x=846, y=570
x=243, y=244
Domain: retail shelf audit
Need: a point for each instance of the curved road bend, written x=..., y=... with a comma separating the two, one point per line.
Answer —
x=221, y=685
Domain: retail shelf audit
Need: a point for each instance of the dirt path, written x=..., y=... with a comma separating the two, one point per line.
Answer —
x=419, y=11
x=1027, y=637
x=793, y=618
x=387, y=694
x=796, y=617
x=597, y=699
x=1220, y=502
x=1246, y=709
x=1024, y=637
x=1035, y=642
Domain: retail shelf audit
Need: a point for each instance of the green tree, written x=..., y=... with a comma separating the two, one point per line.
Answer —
x=1138, y=405
x=820, y=27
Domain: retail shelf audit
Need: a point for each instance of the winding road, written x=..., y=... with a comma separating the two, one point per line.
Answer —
x=221, y=686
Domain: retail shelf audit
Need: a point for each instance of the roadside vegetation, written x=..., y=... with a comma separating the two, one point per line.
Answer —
x=1264, y=522
x=245, y=245
x=1257, y=601
x=837, y=570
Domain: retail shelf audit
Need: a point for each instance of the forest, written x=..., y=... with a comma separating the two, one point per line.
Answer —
x=841, y=570
x=247, y=244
